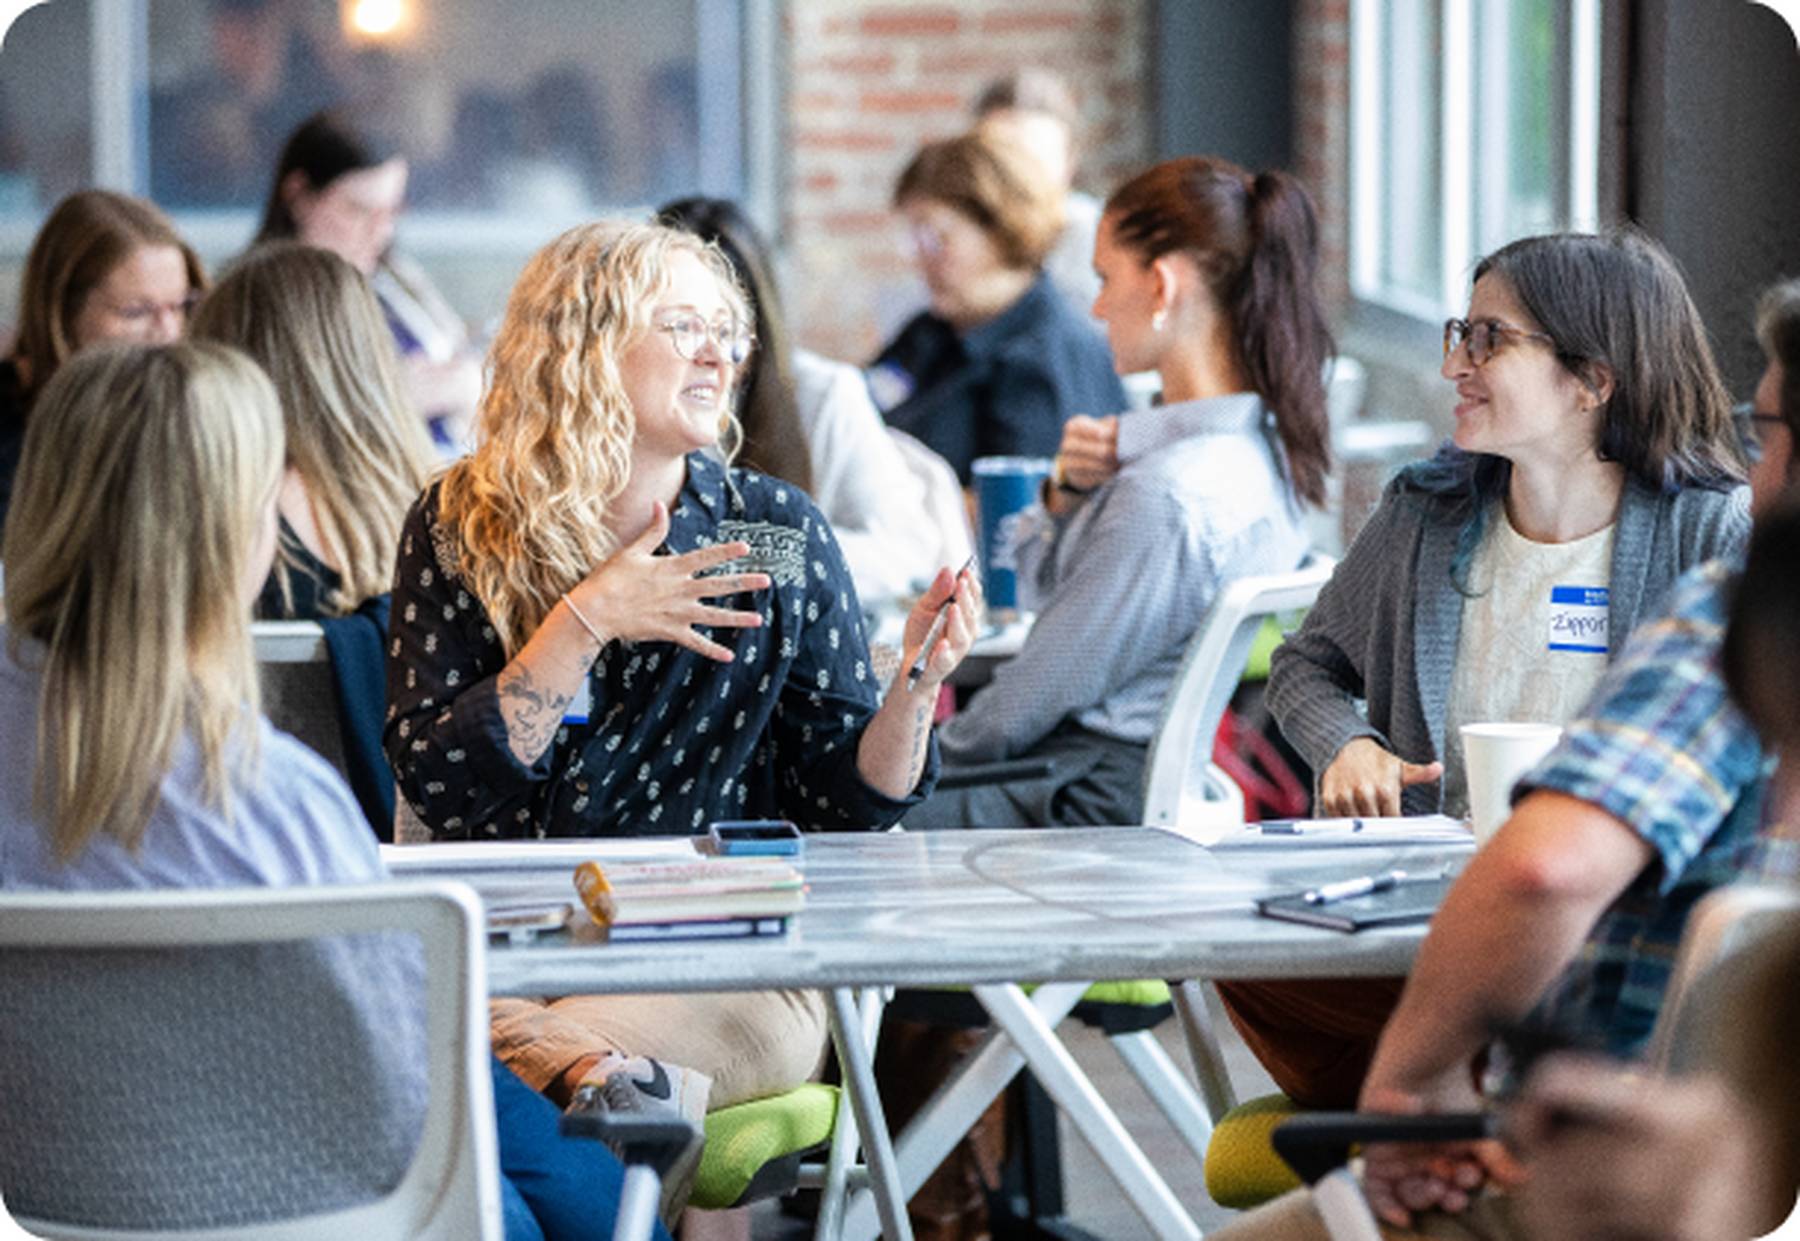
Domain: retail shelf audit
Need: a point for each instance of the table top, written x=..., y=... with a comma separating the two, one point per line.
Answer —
x=934, y=908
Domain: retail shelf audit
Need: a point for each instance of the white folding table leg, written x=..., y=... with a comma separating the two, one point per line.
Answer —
x=954, y=1106
x=1167, y=1087
x=835, y=1192
x=1064, y=1081
x=865, y=1102
x=1204, y=1050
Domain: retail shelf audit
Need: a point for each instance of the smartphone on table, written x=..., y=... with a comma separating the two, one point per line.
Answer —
x=754, y=838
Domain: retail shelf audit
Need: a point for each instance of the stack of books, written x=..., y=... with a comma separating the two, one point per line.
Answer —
x=704, y=898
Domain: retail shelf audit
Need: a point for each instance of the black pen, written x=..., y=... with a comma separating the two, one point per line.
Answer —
x=1301, y=827
x=937, y=628
x=1367, y=885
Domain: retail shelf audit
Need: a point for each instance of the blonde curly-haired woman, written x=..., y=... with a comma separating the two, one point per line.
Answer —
x=599, y=631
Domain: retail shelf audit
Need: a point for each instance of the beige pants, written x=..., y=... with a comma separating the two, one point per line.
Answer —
x=1293, y=1217
x=751, y=1043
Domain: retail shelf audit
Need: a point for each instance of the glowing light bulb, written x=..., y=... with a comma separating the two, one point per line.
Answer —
x=377, y=18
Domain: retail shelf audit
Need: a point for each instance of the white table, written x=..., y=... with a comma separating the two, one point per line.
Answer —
x=984, y=908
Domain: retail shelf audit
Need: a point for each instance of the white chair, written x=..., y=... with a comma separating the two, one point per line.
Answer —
x=1183, y=788
x=1725, y=929
x=188, y=1066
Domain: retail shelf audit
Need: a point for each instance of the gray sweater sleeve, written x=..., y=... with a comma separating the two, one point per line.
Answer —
x=1317, y=676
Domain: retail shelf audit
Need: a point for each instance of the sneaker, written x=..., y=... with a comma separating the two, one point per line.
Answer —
x=640, y=1086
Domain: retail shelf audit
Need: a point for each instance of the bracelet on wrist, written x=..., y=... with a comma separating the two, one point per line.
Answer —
x=582, y=620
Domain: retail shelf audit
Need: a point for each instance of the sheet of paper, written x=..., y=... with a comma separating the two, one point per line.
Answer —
x=1385, y=833
x=491, y=855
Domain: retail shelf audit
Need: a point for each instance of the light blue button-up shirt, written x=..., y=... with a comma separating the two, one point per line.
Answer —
x=1121, y=584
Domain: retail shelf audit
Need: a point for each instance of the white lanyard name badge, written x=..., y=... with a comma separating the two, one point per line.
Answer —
x=1579, y=620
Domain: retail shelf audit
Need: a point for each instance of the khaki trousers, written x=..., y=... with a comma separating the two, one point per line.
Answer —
x=751, y=1043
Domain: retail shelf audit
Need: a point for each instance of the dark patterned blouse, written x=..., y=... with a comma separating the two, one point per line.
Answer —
x=670, y=740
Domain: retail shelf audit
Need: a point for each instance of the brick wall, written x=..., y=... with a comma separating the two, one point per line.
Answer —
x=1322, y=132
x=869, y=80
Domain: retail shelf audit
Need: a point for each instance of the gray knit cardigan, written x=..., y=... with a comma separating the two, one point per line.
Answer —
x=1386, y=626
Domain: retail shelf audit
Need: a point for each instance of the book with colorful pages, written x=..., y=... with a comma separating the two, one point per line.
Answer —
x=702, y=890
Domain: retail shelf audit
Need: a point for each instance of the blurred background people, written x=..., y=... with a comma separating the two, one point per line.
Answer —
x=337, y=187
x=104, y=267
x=1035, y=110
x=809, y=420
x=999, y=362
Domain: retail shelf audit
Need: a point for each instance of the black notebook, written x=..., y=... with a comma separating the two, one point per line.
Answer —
x=1412, y=901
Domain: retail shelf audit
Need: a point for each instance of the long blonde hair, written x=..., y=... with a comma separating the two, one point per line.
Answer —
x=310, y=320
x=554, y=438
x=142, y=488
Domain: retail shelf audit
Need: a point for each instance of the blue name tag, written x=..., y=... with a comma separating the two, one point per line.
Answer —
x=577, y=710
x=1579, y=619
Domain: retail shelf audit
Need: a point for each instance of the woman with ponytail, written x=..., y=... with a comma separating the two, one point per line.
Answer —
x=1207, y=278
x=1593, y=463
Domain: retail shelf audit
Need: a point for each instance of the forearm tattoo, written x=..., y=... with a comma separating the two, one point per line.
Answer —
x=532, y=714
x=921, y=734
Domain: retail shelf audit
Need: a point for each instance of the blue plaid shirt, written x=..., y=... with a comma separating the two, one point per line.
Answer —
x=1660, y=747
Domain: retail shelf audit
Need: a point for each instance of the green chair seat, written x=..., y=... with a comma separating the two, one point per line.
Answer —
x=1242, y=1168
x=753, y=1149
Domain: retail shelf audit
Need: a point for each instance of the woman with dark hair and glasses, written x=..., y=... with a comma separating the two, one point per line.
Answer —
x=1593, y=462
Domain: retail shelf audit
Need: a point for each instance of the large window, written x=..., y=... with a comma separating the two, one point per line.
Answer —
x=1473, y=122
x=516, y=118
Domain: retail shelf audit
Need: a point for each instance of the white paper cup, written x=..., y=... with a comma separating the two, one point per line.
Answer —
x=1494, y=757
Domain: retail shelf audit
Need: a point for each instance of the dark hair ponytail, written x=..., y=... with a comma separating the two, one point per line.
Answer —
x=1256, y=242
x=1281, y=327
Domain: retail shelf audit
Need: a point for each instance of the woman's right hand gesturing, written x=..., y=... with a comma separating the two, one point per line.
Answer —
x=639, y=596
x=1366, y=779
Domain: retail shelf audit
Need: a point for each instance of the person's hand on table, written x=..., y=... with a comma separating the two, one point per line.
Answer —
x=1087, y=458
x=1612, y=1155
x=639, y=596
x=1403, y=1179
x=956, y=636
x=1366, y=779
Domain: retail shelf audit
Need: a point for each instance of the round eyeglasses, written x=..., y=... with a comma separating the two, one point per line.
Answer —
x=688, y=333
x=1483, y=336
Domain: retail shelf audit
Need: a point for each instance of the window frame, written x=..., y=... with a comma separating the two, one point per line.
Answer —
x=1579, y=57
x=737, y=82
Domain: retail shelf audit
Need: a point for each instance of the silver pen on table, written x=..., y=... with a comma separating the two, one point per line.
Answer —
x=937, y=628
x=1343, y=890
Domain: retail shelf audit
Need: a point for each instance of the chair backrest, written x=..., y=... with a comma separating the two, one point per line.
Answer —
x=1182, y=788
x=247, y=1063
x=1729, y=925
x=299, y=694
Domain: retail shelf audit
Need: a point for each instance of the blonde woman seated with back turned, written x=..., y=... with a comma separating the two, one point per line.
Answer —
x=598, y=630
x=357, y=454
x=144, y=527
x=1594, y=457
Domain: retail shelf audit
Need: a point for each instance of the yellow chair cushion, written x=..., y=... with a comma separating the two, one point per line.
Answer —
x=1242, y=1168
x=742, y=1138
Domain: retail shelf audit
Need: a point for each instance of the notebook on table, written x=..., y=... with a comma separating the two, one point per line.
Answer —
x=1413, y=901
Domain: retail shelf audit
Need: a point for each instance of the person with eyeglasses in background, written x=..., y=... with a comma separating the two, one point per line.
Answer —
x=104, y=267
x=1593, y=457
x=1000, y=360
x=599, y=630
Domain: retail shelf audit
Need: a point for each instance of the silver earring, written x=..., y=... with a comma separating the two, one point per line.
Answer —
x=1159, y=321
